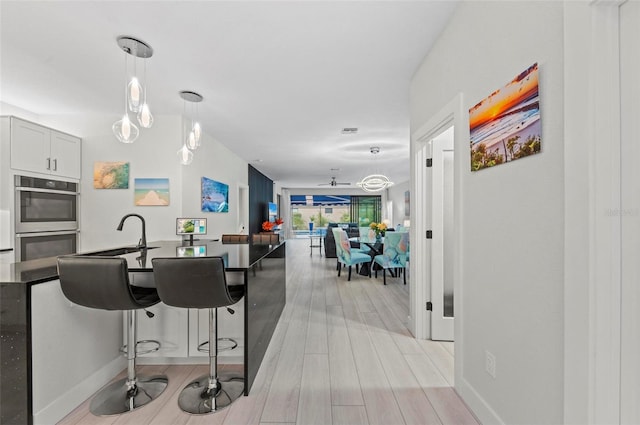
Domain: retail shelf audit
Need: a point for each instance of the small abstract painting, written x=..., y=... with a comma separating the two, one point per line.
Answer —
x=111, y=175
x=215, y=196
x=151, y=192
x=505, y=126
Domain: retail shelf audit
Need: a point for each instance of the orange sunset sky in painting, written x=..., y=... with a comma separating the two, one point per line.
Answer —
x=500, y=101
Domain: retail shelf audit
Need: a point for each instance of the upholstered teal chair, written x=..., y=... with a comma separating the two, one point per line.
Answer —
x=394, y=254
x=347, y=255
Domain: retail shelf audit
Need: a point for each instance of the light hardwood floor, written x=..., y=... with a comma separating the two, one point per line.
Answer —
x=341, y=354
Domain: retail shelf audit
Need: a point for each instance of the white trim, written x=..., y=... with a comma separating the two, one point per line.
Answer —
x=63, y=405
x=452, y=113
x=630, y=213
x=604, y=196
x=441, y=326
x=419, y=319
x=242, y=223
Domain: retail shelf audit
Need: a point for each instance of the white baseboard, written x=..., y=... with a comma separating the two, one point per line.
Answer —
x=481, y=409
x=63, y=405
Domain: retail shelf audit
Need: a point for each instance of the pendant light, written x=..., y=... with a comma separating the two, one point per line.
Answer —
x=135, y=96
x=124, y=130
x=190, y=142
x=185, y=155
x=195, y=128
x=193, y=138
x=145, y=119
x=374, y=182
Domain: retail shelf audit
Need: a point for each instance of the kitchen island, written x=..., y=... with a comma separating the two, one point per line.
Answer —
x=43, y=334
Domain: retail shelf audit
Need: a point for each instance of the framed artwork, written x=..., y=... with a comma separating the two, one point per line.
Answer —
x=110, y=175
x=151, y=192
x=215, y=196
x=505, y=126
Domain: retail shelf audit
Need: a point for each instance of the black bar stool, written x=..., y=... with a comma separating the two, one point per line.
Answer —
x=103, y=283
x=200, y=282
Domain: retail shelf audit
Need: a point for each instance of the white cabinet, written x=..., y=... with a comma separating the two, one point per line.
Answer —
x=179, y=331
x=42, y=150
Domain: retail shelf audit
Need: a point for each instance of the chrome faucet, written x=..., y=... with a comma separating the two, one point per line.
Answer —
x=142, y=244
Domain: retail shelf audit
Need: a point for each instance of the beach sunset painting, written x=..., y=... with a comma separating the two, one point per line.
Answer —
x=505, y=126
x=215, y=196
x=151, y=192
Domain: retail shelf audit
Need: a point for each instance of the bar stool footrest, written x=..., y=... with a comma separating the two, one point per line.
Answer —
x=155, y=346
x=232, y=345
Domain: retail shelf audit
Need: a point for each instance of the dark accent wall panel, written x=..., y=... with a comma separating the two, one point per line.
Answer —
x=15, y=352
x=260, y=194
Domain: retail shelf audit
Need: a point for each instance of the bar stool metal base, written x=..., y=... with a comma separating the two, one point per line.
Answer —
x=196, y=399
x=115, y=398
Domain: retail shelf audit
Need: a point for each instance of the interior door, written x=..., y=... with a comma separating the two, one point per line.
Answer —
x=442, y=237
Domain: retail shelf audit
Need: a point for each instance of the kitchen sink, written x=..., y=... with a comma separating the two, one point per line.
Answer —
x=118, y=251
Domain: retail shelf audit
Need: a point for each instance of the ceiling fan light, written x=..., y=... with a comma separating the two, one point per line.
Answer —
x=125, y=131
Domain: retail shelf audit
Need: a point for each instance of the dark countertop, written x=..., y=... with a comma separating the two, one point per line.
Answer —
x=236, y=256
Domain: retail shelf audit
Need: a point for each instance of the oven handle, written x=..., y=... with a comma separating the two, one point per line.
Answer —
x=36, y=234
x=33, y=189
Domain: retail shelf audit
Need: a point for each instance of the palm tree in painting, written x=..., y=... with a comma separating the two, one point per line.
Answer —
x=512, y=142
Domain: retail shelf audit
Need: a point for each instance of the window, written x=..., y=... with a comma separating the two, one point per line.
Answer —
x=365, y=209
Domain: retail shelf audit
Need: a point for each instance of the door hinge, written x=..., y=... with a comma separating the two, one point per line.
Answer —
x=429, y=234
x=429, y=306
x=429, y=162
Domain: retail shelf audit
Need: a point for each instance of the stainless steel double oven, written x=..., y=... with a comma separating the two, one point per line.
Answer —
x=46, y=217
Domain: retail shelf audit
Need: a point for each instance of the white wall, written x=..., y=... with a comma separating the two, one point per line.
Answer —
x=395, y=194
x=576, y=292
x=214, y=161
x=512, y=221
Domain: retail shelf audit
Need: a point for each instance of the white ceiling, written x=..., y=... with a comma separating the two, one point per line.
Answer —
x=279, y=79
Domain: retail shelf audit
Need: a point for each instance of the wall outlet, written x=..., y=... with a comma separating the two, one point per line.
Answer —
x=490, y=363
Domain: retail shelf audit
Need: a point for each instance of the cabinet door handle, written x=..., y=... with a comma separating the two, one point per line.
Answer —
x=55, y=165
x=48, y=163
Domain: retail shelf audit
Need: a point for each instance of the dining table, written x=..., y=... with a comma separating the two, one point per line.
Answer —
x=375, y=244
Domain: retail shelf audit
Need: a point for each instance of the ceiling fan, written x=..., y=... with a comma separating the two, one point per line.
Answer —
x=333, y=183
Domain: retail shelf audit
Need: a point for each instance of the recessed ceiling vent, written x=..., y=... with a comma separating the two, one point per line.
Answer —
x=349, y=130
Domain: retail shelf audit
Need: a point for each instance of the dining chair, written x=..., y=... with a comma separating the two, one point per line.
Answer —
x=394, y=254
x=347, y=255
